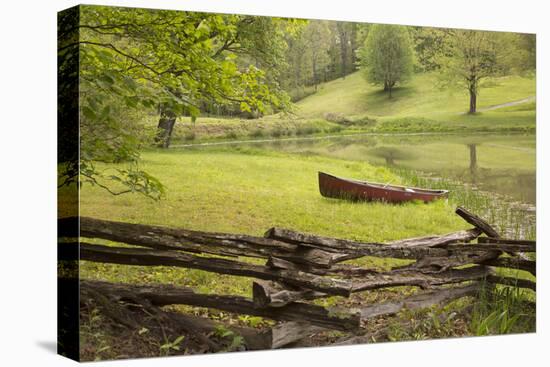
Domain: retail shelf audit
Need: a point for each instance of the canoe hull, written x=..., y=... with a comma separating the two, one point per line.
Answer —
x=340, y=188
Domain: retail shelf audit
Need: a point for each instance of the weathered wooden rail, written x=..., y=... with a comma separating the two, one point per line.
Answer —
x=299, y=267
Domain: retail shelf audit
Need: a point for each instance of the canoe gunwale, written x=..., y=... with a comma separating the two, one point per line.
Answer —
x=343, y=188
x=396, y=188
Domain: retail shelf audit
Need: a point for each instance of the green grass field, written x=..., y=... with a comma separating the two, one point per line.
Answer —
x=249, y=191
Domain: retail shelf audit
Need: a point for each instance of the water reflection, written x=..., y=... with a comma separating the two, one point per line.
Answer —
x=473, y=159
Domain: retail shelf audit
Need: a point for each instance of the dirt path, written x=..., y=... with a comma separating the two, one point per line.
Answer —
x=508, y=104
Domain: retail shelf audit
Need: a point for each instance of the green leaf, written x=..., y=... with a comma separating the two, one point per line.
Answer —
x=88, y=113
x=178, y=339
x=107, y=79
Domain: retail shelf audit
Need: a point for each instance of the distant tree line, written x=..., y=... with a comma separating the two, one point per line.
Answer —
x=320, y=51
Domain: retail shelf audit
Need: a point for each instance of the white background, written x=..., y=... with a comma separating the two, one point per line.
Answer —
x=28, y=188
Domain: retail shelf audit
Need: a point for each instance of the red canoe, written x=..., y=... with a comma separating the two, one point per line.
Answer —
x=345, y=188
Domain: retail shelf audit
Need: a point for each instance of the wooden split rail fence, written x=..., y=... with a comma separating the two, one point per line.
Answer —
x=299, y=267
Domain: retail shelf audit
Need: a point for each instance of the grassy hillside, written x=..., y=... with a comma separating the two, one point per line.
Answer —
x=353, y=96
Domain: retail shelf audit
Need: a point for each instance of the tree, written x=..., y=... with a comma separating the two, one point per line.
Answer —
x=528, y=43
x=472, y=57
x=344, y=31
x=522, y=56
x=321, y=51
x=188, y=57
x=429, y=44
x=135, y=61
x=317, y=36
x=387, y=56
x=262, y=42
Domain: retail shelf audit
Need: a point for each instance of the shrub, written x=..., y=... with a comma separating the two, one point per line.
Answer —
x=337, y=118
x=277, y=132
x=231, y=135
x=307, y=130
x=256, y=133
x=364, y=121
x=334, y=129
x=189, y=135
x=411, y=124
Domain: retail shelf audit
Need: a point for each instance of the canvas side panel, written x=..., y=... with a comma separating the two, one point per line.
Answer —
x=68, y=187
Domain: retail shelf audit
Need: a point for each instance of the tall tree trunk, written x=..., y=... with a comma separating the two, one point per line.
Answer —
x=297, y=76
x=343, y=36
x=473, y=102
x=353, y=46
x=473, y=96
x=314, y=66
x=388, y=86
x=165, y=127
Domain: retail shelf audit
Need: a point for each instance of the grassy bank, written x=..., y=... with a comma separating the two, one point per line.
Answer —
x=497, y=121
x=208, y=129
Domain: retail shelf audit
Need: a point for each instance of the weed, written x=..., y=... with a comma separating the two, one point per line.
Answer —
x=502, y=310
x=236, y=342
x=252, y=321
x=93, y=339
x=337, y=117
x=170, y=346
x=424, y=324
